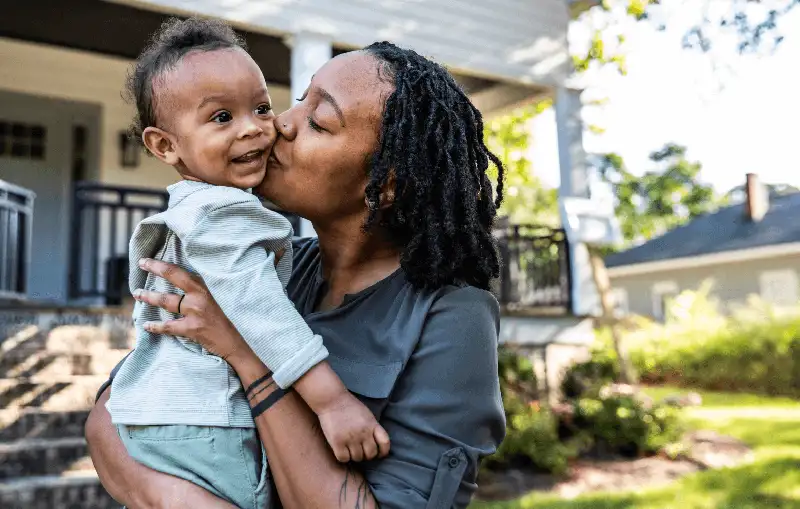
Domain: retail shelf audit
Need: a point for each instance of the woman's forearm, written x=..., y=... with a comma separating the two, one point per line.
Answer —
x=305, y=470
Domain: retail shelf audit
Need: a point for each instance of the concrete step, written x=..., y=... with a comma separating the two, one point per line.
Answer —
x=35, y=457
x=50, y=393
x=78, y=490
x=21, y=423
x=46, y=363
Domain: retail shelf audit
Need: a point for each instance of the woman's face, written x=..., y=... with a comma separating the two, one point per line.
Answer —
x=319, y=164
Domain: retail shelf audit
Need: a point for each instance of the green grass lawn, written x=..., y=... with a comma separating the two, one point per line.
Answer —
x=770, y=425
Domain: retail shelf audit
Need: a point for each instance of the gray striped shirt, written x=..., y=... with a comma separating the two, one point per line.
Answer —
x=227, y=237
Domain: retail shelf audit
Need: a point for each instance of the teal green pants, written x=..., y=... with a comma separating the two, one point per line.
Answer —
x=228, y=462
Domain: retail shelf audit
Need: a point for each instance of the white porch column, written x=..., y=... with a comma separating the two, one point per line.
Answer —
x=309, y=52
x=575, y=183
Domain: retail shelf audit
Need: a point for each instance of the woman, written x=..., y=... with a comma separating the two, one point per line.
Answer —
x=384, y=155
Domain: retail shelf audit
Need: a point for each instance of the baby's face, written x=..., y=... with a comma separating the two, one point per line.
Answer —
x=218, y=109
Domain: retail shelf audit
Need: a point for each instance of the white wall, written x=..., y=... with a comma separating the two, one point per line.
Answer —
x=80, y=76
x=518, y=40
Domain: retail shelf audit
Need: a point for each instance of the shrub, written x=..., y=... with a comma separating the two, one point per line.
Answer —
x=531, y=430
x=621, y=420
x=757, y=349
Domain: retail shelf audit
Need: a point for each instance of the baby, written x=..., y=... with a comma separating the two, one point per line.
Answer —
x=204, y=109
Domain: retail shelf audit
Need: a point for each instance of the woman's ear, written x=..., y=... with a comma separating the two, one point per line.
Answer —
x=388, y=191
x=161, y=144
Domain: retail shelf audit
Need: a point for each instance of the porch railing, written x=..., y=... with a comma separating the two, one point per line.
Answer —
x=16, y=216
x=535, y=268
x=103, y=220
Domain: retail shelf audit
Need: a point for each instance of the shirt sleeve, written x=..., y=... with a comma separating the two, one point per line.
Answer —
x=445, y=412
x=233, y=249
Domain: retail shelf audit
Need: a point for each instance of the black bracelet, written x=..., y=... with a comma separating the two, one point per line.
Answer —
x=270, y=400
x=255, y=384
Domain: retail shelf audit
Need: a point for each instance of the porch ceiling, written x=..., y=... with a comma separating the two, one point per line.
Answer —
x=116, y=30
x=122, y=30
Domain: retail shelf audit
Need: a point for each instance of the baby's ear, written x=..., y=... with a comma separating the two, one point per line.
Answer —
x=161, y=144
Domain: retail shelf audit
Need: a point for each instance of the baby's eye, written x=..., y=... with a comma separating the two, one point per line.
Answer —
x=263, y=109
x=222, y=117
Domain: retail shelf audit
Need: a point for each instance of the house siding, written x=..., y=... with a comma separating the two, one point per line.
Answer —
x=73, y=75
x=517, y=40
x=733, y=283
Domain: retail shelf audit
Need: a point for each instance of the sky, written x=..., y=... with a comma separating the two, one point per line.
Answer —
x=741, y=117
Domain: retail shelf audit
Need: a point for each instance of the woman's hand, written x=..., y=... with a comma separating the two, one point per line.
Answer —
x=202, y=320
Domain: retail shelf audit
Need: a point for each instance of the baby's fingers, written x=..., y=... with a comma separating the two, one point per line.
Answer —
x=342, y=454
x=382, y=441
x=370, y=448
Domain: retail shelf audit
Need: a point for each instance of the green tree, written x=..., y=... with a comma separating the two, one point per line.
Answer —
x=753, y=23
x=662, y=198
x=527, y=200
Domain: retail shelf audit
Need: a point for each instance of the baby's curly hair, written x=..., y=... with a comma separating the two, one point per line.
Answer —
x=168, y=45
x=431, y=148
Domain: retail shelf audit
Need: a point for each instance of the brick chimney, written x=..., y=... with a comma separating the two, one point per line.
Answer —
x=757, y=200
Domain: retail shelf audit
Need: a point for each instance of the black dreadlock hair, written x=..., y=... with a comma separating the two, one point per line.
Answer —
x=167, y=46
x=431, y=148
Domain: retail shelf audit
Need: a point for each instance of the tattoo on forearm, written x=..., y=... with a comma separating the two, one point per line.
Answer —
x=363, y=493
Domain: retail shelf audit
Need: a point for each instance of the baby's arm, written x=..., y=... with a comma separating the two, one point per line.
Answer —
x=233, y=248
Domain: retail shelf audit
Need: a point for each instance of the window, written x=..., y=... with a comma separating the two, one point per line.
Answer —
x=662, y=293
x=779, y=287
x=620, y=298
x=22, y=141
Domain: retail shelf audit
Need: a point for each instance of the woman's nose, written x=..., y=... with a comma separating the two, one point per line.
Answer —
x=285, y=126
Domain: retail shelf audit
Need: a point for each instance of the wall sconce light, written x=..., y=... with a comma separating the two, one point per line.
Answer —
x=129, y=151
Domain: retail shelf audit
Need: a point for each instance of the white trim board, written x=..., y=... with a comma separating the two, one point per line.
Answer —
x=739, y=255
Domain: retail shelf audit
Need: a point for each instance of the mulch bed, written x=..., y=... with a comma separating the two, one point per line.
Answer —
x=707, y=450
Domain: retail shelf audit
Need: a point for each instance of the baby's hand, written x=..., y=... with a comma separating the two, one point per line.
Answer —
x=352, y=431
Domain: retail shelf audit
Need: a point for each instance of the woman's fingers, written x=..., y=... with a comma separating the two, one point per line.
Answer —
x=168, y=301
x=178, y=327
x=172, y=273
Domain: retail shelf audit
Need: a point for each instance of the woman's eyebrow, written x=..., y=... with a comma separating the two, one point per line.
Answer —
x=326, y=96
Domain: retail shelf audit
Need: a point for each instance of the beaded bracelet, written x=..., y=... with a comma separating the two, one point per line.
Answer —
x=270, y=400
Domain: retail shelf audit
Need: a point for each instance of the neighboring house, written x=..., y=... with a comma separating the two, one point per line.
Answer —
x=752, y=248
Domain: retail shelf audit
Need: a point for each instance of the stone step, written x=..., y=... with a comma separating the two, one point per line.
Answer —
x=79, y=490
x=21, y=423
x=50, y=393
x=33, y=457
x=49, y=364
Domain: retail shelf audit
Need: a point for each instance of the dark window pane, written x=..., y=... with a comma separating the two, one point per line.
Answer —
x=37, y=152
x=38, y=133
x=4, y=128
x=3, y=146
x=19, y=149
x=20, y=130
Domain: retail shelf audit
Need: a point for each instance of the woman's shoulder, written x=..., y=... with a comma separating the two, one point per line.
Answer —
x=472, y=311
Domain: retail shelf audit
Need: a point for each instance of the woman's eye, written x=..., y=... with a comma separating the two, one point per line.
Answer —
x=315, y=126
x=263, y=109
x=222, y=117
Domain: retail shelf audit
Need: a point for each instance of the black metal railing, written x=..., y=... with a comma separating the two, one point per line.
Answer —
x=16, y=216
x=103, y=220
x=535, y=268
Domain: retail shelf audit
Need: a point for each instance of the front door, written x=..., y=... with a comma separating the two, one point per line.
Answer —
x=45, y=144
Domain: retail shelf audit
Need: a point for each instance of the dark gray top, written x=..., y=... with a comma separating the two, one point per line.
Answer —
x=425, y=363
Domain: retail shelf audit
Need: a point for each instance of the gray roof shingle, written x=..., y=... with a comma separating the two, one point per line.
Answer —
x=725, y=230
